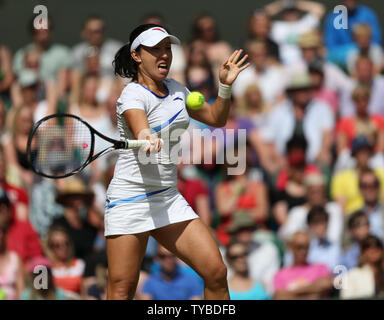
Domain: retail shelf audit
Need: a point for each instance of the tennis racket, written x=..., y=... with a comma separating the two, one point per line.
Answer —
x=61, y=145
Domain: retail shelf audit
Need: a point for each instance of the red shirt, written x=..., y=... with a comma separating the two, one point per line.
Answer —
x=22, y=239
x=21, y=236
x=191, y=189
x=17, y=196
x=347, y=126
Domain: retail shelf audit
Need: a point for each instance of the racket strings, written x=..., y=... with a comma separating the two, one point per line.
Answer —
x=62, y=146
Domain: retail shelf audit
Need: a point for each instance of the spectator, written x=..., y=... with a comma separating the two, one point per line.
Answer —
x=241, y=286
x=170, y=283
x=369, y=186
x=195, y=192
x=287, y=31
x=95, y=54
x=290, y=190
x=238, y=192
x=77, y=200
x=19, y=197
x=358, y=229
x=316, y=196
x=67, y=270
x=327, y=94
x=269, y=77
x=366, y=280
x=205, y=29
x=11, y=268
x=312, y=50
x=362, y=35
x=345, y=183
x=15, y=146
x=340, y=40
x=259, y=27
x=361, y=124
x=198, y=72
x=48, y=293
x=301, y=116
x=321, y=250
x=88, y=108
x=21, y=238
x=54, y=59
x=365, y=76
x=98, y=290
x=263, y=256
x=6, y=76
x=252, y=106
x=302, y=280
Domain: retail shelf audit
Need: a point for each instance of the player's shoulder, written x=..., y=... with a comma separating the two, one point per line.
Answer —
x=172, y=83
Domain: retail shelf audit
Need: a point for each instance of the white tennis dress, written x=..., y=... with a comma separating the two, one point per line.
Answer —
x=143, y=197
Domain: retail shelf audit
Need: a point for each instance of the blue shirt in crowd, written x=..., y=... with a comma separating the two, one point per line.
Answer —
x=181, y=287
x=257, y=292
x=338, y=41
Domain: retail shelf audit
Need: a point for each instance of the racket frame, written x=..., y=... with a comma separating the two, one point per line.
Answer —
x=117, y=144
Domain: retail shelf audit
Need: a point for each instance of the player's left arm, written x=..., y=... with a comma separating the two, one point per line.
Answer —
x=216, y=115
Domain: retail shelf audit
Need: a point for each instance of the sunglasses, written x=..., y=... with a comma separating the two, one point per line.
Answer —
x=301, y=246
x=369, y=185
x=237, y=256
x=57, y=245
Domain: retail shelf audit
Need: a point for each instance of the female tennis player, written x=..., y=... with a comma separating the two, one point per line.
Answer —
x=142, y=199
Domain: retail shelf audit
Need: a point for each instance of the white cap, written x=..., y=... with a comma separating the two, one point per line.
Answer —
x=152, y=37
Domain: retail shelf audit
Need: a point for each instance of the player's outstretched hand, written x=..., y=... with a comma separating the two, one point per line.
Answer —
x=231, y=68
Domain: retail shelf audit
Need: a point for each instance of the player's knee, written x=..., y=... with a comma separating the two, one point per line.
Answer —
x=122, y=289
x=216, y=275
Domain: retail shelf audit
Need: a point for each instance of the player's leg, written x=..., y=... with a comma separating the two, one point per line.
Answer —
x=192, y=242
x=125, y=254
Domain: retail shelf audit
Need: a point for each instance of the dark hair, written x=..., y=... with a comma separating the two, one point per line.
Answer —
x=316, y=213
x=370, y=241
x=356, y=216
x=93, y=17
x=369, y=171
x=196, y=32
x=123, y=63
x=296, y=142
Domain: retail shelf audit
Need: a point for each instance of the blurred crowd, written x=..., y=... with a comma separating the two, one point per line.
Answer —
x=305, y=219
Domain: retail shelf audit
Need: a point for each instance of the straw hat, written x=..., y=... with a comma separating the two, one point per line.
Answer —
x=240, y=220
x=310, y=39
x=74, y=187
x=300, y=81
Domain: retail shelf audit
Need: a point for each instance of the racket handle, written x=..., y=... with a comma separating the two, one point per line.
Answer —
x=136, y=144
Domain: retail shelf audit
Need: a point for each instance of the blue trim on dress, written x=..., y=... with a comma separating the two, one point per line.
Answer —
x=165, y=124
x=131, y=199
x=161, y=97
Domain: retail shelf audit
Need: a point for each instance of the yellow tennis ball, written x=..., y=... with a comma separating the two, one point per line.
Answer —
x=195, y=100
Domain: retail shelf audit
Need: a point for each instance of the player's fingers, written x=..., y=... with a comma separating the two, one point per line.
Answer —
x=242, y=60
x=237, y=56
x=230, y=59
x=245, y=66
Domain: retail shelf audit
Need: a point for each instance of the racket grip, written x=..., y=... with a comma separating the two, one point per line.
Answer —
x=136, y=144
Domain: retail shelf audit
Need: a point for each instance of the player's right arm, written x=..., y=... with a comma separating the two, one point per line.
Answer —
x=137, y=122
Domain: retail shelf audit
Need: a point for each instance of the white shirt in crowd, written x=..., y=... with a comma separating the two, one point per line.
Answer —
x=297, y=220
x=375, y=106
x=271, y=81
x=280, y=126
x=287, y=34
x=106, y=56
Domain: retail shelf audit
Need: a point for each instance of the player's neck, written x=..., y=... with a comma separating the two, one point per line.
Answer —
x=157, y=87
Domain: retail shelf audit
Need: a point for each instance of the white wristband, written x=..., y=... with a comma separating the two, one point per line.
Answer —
x=224, y=91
